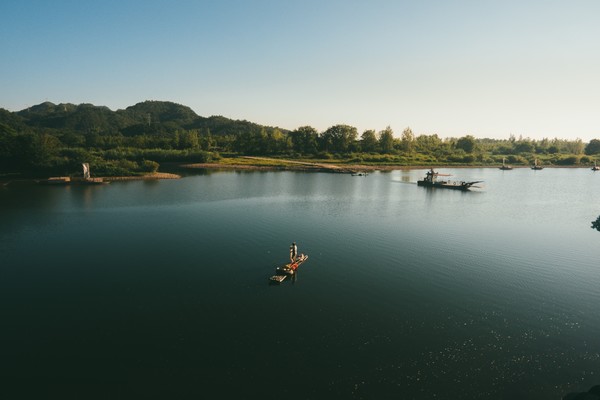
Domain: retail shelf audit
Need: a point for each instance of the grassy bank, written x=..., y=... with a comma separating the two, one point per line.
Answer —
x=351, y=164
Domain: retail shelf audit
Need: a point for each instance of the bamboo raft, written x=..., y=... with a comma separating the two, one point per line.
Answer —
x=281, y=273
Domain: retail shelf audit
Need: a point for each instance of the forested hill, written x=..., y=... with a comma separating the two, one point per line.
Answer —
x=56, y=138
x=146, y=118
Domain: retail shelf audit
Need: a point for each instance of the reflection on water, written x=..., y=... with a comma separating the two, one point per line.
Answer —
x=408, y=292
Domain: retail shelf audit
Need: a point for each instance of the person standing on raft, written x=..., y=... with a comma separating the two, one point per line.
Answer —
x=293, y=252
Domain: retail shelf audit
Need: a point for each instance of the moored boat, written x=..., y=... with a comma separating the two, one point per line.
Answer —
x=431, y=180
x=536, y=166
x=595, y=167
x=504, y=166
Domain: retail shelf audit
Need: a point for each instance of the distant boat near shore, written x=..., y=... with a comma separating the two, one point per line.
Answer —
x=595, y=167
x=536, y=166
x=504, y=166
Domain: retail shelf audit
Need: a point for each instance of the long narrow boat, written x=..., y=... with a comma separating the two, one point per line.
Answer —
x=282, y=272
x=431, y=181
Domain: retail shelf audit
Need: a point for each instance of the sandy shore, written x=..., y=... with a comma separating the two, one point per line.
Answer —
x=156, y=175
x=273, y=164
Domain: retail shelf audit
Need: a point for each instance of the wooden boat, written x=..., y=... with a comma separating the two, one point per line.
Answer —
x=286, y=270
x=536, y=166
x=431, y=180
x=505, y=167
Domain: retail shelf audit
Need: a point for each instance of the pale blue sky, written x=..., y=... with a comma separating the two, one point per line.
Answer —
x=486, y=68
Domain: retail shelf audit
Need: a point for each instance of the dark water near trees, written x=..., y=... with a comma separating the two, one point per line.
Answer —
x=159, y=289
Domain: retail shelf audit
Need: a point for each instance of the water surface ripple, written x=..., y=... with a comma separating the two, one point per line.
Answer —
x=145, y=289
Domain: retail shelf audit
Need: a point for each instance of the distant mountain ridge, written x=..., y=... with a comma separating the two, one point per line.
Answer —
x=147, y=118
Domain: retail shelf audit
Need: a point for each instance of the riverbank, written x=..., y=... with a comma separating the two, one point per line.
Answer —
x=275, y=164
x=248, y=163
x=153, y=176
x=269, y=164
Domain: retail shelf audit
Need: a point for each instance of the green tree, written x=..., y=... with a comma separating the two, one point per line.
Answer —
x=524, y=146
x=206, y=141
x=277, y=142
x=10, y=151
x=176, y=142
x=251, y=142
x=407, y=140
x=149, y=166
x=386, y=140
x=305, y=140
x=189, y=140
x=428, y=144
x=72, y=139
x=593, y=147
x=260, y=142
x=543, y=146
x=43, y=148
x=339, y=138
x=576, y=146
x=553, y=149
x=368, y=141
x=466, y=143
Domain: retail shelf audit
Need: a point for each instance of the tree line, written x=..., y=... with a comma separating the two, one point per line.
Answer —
x=343, y=142
x=50, y=139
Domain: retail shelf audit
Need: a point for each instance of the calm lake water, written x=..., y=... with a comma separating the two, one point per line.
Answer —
x=160, y=289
